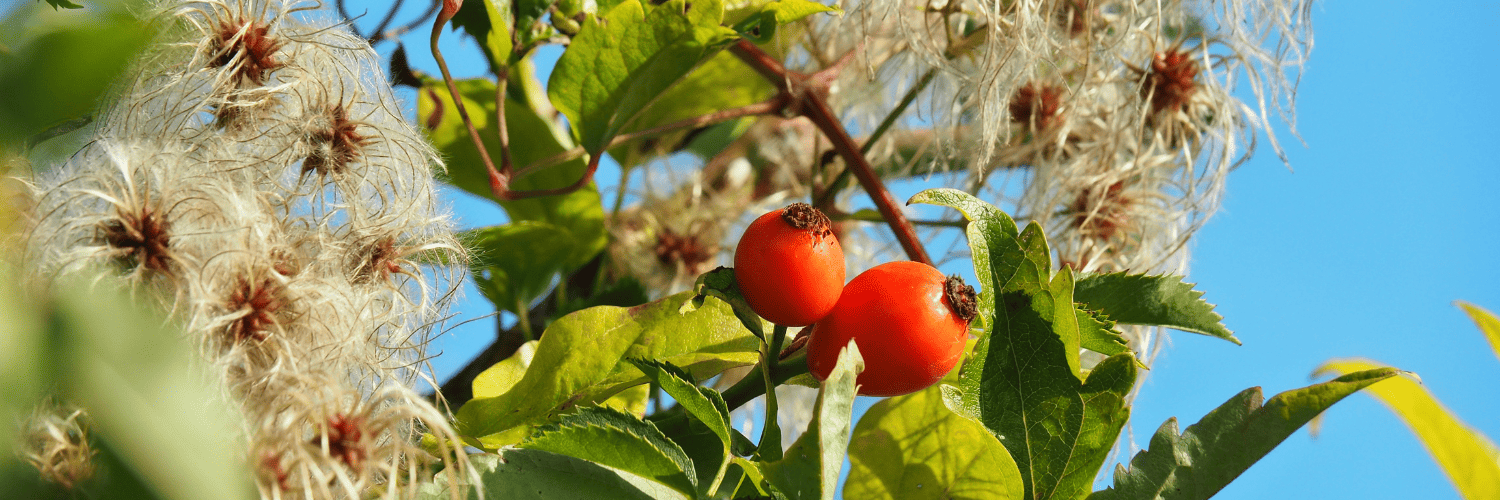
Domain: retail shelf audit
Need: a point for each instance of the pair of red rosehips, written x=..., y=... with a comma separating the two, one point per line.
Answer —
x=910, y=322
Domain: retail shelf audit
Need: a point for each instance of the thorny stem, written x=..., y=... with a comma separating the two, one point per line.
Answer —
x=814, y=106
x=499, y=184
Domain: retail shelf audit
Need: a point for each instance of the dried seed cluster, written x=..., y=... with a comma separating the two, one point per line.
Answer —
x=257, y=176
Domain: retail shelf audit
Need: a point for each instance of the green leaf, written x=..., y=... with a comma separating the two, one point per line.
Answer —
x=619, y=440
x=993, y=242
x=63, y=63
x=1488, y=324
x=1152, y=300
x=761, y=26
x=702, y=403
x=620, y=62
x=520, y=22
x=722, y=82
x=720, y=284
x=913, y=447
x=811, y=466
x=581, y=359
x=524, y=474
x=1024, y=382
x=63, y=4
x=515, y=263
x=1217, y=449
x=1470, y=459
x=1099, y=334
x=532, y=138
x=146, y=395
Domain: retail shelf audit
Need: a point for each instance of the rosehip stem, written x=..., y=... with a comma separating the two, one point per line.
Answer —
x=770, y=434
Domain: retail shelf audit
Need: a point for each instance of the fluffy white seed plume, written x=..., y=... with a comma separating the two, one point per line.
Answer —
x=257, y=176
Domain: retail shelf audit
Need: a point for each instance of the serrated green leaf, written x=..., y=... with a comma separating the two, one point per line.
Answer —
x=1227, y=441
x=532, y=138
x=719, y=283
x=622, y=61
x=1488, y=324
x=811, y=466
x=1467, y=456
x=1024, y=382
x=913, y=447
x=515, y=263
x=581, y=359
x=993, y=243
x=619, y=440
x=524, y=474
x=1099, y=334
x=1164, y=300
x=698, y=401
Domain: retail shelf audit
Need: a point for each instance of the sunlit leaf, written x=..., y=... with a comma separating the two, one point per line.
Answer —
x=581, y=359
x=811, y=466
x=719, y=283
x=913, y=447
x=992, y=238
x=1024, y=381
x=1211, y=453
x=1466, y=455
x=623, y=60
x=1152, y=300
x=722, y=82
x=618, y=440
x=1487, y=323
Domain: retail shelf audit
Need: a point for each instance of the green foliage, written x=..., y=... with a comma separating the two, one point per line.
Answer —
x=811, y=466
x=525, y=474
x=1152, y=300
x=581, y=358
x=761, y=26
x=720, y=284
x=158, y=425
x=532, y=138
x=621, y=441
x=71, y=58
x=515, y=263
x=622, y=61
x=1210, y=454
x=912, y=447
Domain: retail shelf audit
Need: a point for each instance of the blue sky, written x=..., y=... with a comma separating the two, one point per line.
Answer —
x=1387, y=219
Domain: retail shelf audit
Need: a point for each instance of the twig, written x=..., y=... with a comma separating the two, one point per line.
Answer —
x=499, y=185
x=809, y=101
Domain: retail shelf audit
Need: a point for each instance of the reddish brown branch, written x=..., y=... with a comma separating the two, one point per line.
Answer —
x=806, y=96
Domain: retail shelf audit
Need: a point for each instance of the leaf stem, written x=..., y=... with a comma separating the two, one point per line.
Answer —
x=770, y=434
x=523, y=322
